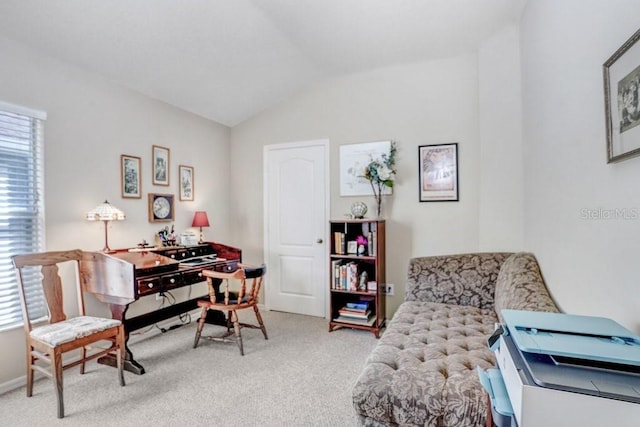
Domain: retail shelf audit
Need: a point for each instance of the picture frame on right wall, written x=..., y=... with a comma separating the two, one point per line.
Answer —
x=621, y=75
x=438, y=172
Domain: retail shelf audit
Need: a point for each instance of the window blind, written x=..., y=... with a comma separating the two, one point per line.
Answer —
x=21, y=209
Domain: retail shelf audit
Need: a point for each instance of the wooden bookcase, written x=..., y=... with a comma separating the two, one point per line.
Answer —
x=357, y=303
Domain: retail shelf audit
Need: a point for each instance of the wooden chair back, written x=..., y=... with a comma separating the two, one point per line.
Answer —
x=231, y=300
x=247, y=294
x=28, y=265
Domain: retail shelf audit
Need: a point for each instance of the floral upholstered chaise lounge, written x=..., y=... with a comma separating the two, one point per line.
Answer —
x=422, y=372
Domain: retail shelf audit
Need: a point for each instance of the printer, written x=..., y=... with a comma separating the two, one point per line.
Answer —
x=563, y=370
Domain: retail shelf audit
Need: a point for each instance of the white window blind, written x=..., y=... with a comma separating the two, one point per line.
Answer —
x=21, y=208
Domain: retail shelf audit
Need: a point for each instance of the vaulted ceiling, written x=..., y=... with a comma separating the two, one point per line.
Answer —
x=227, y=60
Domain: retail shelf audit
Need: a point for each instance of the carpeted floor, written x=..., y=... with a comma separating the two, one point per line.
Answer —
x=301, y=376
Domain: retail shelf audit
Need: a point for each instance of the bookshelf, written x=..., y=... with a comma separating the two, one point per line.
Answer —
x=357, y=275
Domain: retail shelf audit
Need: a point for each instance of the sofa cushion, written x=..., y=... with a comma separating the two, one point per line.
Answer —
x=520, y=286
x=464, y=279
x=423, y=369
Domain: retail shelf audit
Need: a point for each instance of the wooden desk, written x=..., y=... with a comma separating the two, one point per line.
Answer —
x=121, y=278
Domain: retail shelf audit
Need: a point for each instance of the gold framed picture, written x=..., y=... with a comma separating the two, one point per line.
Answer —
x=130, y=181
x=161, y=207
x=185, y=174
x=161, y=159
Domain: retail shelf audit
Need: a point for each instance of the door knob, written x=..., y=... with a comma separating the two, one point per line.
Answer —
x=319, y=241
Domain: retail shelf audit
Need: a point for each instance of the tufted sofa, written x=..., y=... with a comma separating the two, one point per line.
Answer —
x=422, y=372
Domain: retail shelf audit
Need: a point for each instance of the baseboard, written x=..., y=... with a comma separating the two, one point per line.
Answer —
x=13, y=384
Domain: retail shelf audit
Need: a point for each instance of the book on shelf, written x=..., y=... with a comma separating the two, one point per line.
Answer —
x=364, y=322
x=335, y=273
x=354, y=314
x=360, y=305
x=344, y=276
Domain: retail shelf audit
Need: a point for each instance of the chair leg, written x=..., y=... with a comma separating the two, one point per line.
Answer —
x=236, y=328
x=56, y=371
x=83, y=354
x=203, y=317
x=260, y=322
x=30, y=362
x=229, y=320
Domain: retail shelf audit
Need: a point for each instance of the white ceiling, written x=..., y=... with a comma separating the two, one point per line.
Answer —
x=227, y=60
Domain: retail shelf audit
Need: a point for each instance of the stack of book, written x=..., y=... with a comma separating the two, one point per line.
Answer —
x=344, y=276
x=356, y=312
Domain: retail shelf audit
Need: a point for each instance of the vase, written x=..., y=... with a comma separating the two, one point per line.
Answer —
x=360, y=249
x=378, y=205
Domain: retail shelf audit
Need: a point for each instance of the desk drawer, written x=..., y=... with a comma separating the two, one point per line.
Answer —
x=226, y=267
x=149, y=286
x=192, y=277
x=171, y=281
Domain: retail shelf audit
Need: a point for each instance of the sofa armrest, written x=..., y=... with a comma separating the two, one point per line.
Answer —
x=462, y=279
x=520, y=286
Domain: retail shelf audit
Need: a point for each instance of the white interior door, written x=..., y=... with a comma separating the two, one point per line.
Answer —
x=296, y=207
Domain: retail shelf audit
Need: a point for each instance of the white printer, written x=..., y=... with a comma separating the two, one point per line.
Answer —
x=564, y=370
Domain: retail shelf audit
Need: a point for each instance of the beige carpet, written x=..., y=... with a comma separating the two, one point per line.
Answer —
x=301, y=376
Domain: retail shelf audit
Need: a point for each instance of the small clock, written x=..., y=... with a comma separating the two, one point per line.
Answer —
x=160, y=207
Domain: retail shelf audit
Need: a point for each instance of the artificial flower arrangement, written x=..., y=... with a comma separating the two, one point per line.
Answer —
x=362, y=244
x=381, y=173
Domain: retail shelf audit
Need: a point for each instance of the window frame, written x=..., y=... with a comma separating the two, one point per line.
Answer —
x=33, y=149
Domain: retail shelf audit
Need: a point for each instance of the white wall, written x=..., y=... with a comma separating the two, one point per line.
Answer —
x=501, y=172
x=414, y=104
x=590, y=265
x=91, y=122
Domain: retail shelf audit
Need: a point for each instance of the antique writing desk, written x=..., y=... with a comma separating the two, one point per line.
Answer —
x=119, y=279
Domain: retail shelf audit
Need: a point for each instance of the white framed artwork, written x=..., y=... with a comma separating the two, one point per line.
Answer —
x=354, y=159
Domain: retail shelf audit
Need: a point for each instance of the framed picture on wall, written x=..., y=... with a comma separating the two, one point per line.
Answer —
x=438, y=172
x=130, y=183
x=622, y=106
x=185, y=173
x=160, y=158
x=354, y=158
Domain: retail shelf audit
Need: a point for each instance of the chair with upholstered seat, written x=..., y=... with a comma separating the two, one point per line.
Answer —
x=230, y=300
x=48, y=342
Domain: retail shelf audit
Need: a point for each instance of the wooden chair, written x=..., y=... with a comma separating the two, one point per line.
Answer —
x=48, y=342
x=230, y=301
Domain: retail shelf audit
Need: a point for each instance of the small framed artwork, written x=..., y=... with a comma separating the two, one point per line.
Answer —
x=130, y=182
x=438, y=172
x=352, y=247
x=622, y=106
x=186, y=182
x=161, y=207
x=160, y=156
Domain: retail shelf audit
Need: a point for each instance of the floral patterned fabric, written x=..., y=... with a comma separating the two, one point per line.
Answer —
x=423, y=370
x=68, y=330
x=520, y=286
x=467, y=279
